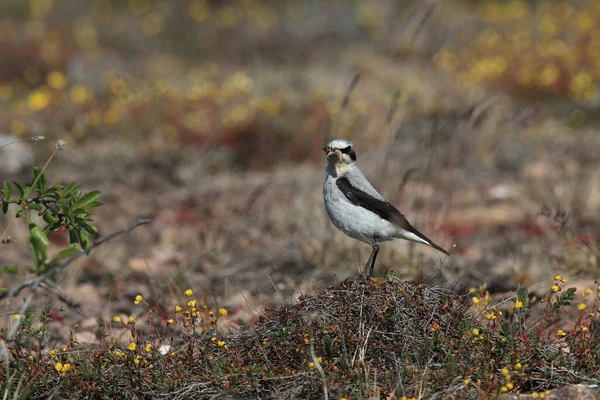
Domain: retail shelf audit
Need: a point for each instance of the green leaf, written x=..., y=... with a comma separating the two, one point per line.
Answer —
x=566, y=296
x=20, y=188
x=75, y=196
x=38, y=235
x=88, y=198
x=21, y=213
x=88, y=227
x=36, y=206
x=69, y=190
x=50, y=218
x=6, y=190
x=73, y=236
x=55, y=189
x=41, y=179
x=63, y=255
x=95, y=204
x=4, y=208
x=85, y=242
x=52, y=227
x=12, y=269
x=34, y=247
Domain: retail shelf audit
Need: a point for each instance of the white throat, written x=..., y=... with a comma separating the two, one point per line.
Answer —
x=338, y=169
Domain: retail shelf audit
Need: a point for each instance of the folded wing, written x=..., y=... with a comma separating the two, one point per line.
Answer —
x=382, y=208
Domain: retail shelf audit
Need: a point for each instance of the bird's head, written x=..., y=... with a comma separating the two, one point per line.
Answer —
x=340, y=152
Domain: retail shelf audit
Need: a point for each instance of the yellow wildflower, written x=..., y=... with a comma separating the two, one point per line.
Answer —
x=38, y=99
x=56, y=80
x=148, y=348
x=518, y=304
x=131, y=346
x=555, y=288
x=560, y=332
x=222, y=312
x=188, y=292
x=475, y=331
x=62, y=368
x=191, y=303
x=80, y=94
x=130, y=320
x=178, y=309
x=116, y=319
x=581, y=306
x=138, y=299
x=548, y=76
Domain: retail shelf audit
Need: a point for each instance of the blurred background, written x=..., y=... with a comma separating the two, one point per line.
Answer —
x=478, y=119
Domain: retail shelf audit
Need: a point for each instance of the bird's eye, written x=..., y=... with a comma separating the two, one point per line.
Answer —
x=346, y=150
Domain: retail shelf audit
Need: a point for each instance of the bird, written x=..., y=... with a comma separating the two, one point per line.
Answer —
x=357, y=209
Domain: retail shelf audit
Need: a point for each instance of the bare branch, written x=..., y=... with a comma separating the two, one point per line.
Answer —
x=34, y=282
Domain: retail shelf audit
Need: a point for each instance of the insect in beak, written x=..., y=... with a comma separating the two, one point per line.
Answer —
x=327, y=151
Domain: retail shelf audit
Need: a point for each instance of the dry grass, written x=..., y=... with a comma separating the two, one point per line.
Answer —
x=366, y=338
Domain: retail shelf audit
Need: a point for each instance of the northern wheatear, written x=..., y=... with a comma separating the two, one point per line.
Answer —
x=357, y=209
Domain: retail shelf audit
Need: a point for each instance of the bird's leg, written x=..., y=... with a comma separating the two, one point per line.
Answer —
x=371, y=263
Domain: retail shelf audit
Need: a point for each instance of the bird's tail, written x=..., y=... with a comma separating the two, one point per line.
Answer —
x=435, y=246
x=416, y=236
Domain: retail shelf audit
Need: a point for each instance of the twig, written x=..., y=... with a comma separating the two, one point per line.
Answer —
x=34, y=138
x=52, y=288
x=320, y=369
x=254, y=195
x=22, y=310
x=34, y=282
x=428, y=13
x=453, y=31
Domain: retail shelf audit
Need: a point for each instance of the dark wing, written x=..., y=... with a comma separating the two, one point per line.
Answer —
x=380, y=207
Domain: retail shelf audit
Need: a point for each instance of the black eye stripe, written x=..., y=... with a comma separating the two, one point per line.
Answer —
x=346, y=150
